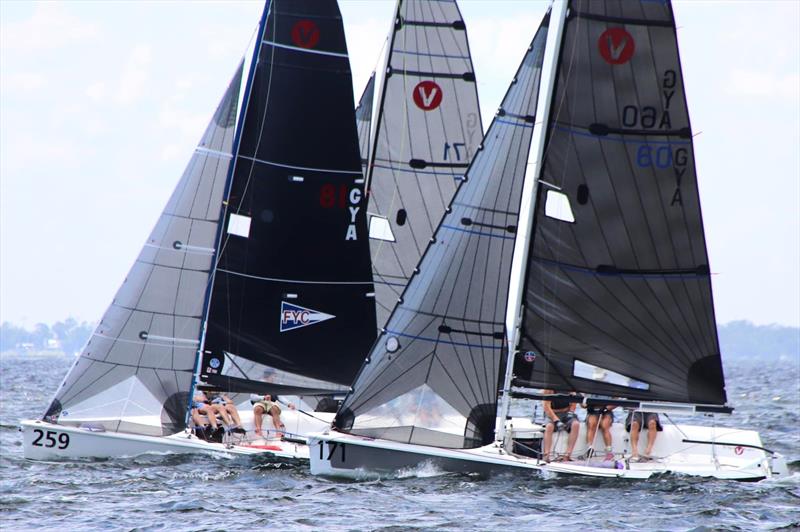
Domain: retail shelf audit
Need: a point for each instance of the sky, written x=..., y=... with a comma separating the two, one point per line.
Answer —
x=102, y=104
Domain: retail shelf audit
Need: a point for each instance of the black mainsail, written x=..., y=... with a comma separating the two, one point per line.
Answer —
x=432, y=376
x=261, y=257
x=293, y=291
x=425, y=131
x=617, y=296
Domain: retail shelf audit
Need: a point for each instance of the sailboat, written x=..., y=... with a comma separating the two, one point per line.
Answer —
x=571, y=259
x=258, y=276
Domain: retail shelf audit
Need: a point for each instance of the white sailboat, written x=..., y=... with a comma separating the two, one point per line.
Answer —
x=259, y=275
x=589, y=278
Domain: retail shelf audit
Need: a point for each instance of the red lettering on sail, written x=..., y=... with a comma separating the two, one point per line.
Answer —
x=305, y=34
x=427, y=95
x=616, y=46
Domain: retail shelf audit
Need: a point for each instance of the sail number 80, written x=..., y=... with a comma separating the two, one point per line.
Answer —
x=51, y=439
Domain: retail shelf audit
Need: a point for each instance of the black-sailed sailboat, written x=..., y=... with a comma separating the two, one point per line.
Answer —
x=257, y=277
x=606, y=301
x=259, y=265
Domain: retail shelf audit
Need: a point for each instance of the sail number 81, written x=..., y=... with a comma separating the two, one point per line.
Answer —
x=51, y=439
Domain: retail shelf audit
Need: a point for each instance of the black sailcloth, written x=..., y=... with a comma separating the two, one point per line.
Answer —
x=293, y=289
x=432, y=376
x=618, y=291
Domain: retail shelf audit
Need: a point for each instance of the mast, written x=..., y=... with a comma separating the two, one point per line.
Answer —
x=530, y=186
x=242, y=112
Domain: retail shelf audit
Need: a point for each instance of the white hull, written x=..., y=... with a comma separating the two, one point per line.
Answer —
x=48, y=441
x=344, y=455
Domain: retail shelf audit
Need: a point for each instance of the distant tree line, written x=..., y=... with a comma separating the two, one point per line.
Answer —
x=68, y=336
x=742, y=339
x=738, y=339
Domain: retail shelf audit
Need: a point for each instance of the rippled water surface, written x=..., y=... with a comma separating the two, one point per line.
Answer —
x=211, y=493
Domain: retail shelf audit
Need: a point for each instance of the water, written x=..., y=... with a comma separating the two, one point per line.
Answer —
x=208, y=493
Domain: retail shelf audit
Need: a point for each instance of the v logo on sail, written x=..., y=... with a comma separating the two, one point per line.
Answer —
x=296, y=317
x=305, y=34
x=427, y=95
x=616, y=46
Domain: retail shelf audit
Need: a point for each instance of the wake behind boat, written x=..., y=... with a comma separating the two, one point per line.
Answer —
x=588, y=277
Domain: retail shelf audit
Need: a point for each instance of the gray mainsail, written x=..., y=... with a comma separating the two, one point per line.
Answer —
x=434, y=371
x=426, y=130
x=617, y=295
x=135, y=372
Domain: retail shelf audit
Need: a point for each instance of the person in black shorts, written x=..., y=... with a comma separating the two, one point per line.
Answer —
x=634, y=423
x=604, y=417
x=561, y=416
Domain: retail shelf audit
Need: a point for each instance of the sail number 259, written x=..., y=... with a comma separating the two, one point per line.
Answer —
x=51, y=439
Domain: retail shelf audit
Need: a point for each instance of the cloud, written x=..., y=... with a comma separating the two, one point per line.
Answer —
x=96, y=91
x=135, y=74
x=49, y=27
x=22, y=82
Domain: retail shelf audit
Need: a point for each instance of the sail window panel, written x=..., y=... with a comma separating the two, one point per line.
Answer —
x=237, y=366
x=596, y=373
x=380, y=228
x=129, y=398
x=421, y=408
x=557, y=205
x=239, y=225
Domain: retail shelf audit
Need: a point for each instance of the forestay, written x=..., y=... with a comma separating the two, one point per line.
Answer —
x=293, y=290
x=426, y=130
x=136, y=370
x=617, y=298
x=432, y=376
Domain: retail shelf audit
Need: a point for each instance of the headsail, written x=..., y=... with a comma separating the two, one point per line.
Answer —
x=293, y=290
x=426, y=130
x=135, y=372
x=618, y=291
x=364, y=121
x=432, y=376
